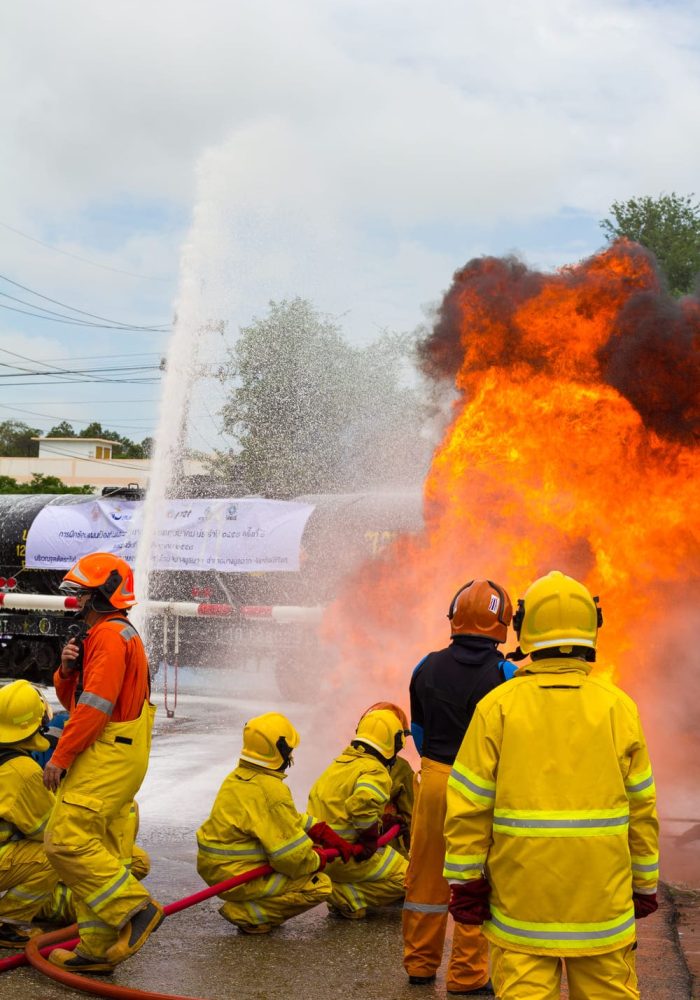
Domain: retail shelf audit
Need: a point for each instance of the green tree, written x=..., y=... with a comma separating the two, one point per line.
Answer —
x=62, y=430
x=669, y=226
x=123, y=447
x=16, y=439
x=40, y=484
x=309, y=413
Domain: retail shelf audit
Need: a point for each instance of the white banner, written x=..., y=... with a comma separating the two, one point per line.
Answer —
x=231, y=536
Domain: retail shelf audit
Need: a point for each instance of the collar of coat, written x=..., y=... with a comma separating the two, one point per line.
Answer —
x=555, y=665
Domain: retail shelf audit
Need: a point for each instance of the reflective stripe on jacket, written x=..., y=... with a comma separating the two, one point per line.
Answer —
x=115, y=685
x=352, y=794
x=254, y=822
x=552, y=792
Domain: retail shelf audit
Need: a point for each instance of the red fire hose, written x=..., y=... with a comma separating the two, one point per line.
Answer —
x=44, y=944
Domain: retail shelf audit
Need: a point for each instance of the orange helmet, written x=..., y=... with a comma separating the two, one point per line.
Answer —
x=481, y=607
x=104, y=574
x=389, y=706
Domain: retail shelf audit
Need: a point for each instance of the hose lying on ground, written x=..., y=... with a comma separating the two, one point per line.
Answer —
x=43, y=945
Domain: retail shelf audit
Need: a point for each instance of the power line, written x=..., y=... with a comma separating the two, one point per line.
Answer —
x=76, y=420
x=27, y=373
x=101, y=461
x=84, y=381
x=47, y=298
x=77, y=322
x=75, y=256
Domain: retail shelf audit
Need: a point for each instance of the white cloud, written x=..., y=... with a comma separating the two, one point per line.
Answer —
x=318, y=137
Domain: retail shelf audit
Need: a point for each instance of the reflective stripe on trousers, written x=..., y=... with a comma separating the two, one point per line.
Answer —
x=428, y=893
x=85, y=837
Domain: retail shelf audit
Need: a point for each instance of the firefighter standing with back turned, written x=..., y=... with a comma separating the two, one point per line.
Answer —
x=98, y=766
x=445, y=689
x=551, y=804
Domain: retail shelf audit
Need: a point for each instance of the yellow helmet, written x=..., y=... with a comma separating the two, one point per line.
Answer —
x=557, y=611
x=268, y=741
x=382, y=730
x=22, y=713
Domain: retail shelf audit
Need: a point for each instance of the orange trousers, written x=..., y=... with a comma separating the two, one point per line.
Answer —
x=428, y=893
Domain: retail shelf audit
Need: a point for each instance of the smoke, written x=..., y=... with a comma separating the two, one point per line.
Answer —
x=653, y=360
x=650, y=354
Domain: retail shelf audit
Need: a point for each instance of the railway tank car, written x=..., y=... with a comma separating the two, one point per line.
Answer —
x=342, y=531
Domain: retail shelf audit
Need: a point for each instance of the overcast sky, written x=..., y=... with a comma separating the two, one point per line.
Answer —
x=355, y=152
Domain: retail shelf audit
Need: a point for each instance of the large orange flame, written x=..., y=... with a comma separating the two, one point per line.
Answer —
x=573, y=446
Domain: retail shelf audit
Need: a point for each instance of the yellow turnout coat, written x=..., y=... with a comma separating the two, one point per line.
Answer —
x=552, y=795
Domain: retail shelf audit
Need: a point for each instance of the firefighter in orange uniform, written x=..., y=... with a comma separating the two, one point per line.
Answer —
x=445, y=689
x=97, y=768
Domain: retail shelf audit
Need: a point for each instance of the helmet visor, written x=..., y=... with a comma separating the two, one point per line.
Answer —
x=71, y=589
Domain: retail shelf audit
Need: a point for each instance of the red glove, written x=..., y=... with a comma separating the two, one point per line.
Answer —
x=469, y=901
x=323, y=835
x=391, y=819
x=644, y=904
x=322, y=859
x=367, y=842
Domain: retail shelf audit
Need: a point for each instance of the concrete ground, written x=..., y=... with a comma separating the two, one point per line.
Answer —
x=197, y=954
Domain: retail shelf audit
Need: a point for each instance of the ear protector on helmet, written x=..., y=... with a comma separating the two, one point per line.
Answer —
x=520, y=614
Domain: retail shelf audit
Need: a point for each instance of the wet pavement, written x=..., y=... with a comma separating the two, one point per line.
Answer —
x=315, y=957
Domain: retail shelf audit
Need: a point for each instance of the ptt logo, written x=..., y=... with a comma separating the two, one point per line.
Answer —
x=179, y=515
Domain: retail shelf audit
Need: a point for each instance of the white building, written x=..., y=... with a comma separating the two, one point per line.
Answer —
x=74, y=447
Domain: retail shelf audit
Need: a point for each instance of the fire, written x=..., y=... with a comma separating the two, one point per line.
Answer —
x=573, y=445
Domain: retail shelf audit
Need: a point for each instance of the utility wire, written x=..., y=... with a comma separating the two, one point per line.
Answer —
x=78, y=322
x=75, y=420
x=25, y=288
x=84, y=381
x=75, y=256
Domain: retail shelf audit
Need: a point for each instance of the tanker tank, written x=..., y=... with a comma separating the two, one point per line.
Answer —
x=342, y=531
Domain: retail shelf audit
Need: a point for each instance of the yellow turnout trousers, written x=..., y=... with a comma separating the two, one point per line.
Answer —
x=379, y=881
x=27, y=879
x=428, y=893
x=274, y=898
x=84, y=839
x=611, y=976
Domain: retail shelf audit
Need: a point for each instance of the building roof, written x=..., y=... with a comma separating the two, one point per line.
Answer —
x=94, y=440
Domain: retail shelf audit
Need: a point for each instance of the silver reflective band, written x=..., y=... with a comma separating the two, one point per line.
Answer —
x=426, y=907
x=103, y=897
x=487, y=793
x=127, y=632
x=645, y=868
x=254, y=852
x=290, y=847
x=557, y=935
x=450, y=867
x=642, y=785
x=560, y=824
x=101, y=704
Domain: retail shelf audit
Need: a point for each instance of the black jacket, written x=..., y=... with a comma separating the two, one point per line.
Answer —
x=445, y=689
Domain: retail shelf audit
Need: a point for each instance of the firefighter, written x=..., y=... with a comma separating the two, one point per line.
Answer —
x=254, y=822
x=26, y=876
x=551, y=828
x=97, y=767
x=445, y=689
x=399, y=808
x=351, y=796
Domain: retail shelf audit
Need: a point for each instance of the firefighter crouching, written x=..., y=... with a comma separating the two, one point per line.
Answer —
x=26, y=876
x=551, y=804
x=399, y=808
x=445, y=689
x=97, y=768
x=254, y=822
x=351, y=796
